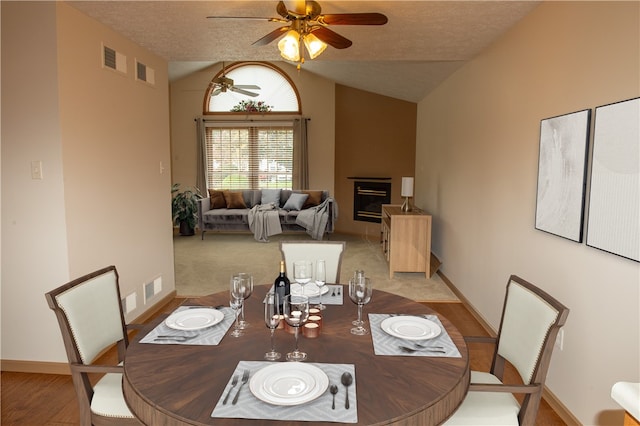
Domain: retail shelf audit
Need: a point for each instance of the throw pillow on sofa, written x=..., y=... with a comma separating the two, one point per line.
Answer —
x=271, y=196
x=217, y=199
x=234, y=199
x=315, y=198
x=295, y=201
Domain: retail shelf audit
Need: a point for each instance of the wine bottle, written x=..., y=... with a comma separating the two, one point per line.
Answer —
x=282, y=285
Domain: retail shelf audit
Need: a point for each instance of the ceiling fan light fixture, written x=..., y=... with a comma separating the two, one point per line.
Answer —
x=289, y=46
x=314, y=45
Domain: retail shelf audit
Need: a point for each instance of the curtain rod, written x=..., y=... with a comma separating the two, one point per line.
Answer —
x=251, y=120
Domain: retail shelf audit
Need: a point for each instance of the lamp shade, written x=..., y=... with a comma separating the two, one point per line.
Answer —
x=407, y=187
x=314, y=45
x=289, y=46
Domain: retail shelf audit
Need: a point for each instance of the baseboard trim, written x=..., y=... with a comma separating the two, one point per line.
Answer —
x=41, y=367
x=561, y=410
x=485, y=325
x=44, y=367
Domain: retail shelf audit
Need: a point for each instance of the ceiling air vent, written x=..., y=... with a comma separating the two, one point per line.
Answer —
x=114, y=60
x=144, y=73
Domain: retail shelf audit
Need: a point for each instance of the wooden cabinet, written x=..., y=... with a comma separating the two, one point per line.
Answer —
x=406, y=239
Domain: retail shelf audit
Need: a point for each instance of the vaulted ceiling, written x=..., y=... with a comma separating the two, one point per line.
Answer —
x=421, y=45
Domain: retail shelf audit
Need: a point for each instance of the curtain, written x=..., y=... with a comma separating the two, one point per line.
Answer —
x=201, y=157
x=300, y=154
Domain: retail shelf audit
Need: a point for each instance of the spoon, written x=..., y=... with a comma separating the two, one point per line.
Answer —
x=334, y=390
x=347, y=380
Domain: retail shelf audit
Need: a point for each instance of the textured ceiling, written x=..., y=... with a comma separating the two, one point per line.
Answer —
x=421, y=45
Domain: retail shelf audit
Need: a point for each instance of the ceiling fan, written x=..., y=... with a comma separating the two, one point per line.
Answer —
x=307, y=25
x=223, y=83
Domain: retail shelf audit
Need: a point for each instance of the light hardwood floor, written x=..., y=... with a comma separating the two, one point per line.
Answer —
x=48, y=399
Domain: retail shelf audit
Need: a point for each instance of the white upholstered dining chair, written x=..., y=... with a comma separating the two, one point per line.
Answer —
x=530, y=322
x=330, y=251
x=90, y=316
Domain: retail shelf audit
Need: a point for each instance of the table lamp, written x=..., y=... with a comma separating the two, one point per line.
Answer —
x=407, y=192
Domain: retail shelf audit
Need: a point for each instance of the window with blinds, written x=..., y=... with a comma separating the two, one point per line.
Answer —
x=252, y=155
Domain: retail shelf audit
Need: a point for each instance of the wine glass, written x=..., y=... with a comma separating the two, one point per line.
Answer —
x=358, y=276
x=360, y=293
x=236, y=304
x=302, y=272
x=321, y=276
x=271, y=319
x=296, y=313
x=243, y=283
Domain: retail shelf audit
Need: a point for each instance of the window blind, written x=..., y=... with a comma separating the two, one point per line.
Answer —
x=251, y=155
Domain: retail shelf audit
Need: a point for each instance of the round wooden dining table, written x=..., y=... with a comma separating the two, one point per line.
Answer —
x=180, y=384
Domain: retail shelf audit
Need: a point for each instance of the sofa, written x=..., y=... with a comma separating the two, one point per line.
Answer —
x=229, y=210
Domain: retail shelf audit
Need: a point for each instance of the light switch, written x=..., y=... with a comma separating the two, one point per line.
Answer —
x=36, y=170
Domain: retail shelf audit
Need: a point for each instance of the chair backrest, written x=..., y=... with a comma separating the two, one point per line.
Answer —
x=530, y=322
x=89, y=314
x=91, y=320
x=330, y=251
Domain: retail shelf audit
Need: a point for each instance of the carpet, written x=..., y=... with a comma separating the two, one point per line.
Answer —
x=205, y=266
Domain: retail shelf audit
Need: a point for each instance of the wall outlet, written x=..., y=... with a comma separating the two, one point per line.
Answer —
x=560, y=340
x=36, y=170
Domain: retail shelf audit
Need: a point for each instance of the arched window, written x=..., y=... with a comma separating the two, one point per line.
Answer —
x=276, y=93
x=244, y=147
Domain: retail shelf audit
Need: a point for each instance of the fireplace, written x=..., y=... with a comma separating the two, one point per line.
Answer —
x=369, y=194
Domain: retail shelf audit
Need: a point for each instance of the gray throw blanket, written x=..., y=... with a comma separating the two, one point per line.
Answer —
x=314, y=219
x=264, y=221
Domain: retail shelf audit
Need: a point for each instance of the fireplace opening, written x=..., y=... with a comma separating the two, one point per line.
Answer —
x=368, y=198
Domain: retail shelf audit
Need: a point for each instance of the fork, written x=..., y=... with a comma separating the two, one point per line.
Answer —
x=410, y=350
x=245, y=379
x=234, y=382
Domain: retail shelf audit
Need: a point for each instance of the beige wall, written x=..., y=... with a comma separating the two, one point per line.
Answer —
x=318, y=101
x=375, y=137
x=477, y=162
x=101, y=137
x=34, y=241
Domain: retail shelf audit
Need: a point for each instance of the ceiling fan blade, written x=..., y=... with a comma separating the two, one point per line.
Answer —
x=331, y=38
x=216, y=92
x=282, y=10
x=247, y=86
x=252, y=18
x=244, y=92
x=271, y=36
x=353, y=19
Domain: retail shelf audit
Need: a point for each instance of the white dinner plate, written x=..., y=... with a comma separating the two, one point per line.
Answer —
x=288, y=383
x=310, y=289
x=410, y=327
x=194, y=319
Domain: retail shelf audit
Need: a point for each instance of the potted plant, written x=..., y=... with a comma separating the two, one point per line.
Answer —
x=184, y=208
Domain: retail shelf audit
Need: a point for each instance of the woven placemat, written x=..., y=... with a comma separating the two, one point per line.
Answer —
x=208, y=336
x=250, y=407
